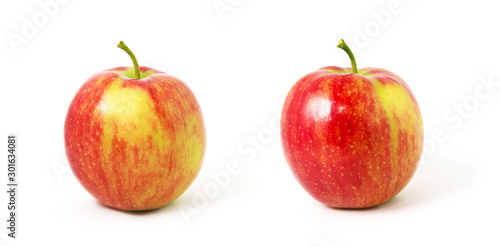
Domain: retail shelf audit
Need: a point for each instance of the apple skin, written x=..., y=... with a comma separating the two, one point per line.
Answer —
x=352, y=140
x=134, y=144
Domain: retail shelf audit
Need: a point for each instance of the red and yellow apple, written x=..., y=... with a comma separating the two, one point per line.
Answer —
x=134, y=137
x=352, y=138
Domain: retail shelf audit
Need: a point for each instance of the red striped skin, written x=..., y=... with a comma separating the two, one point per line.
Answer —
x=338, y=140
x=142, y=162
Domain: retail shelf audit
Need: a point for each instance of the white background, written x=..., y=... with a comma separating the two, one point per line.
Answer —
x=240, y=64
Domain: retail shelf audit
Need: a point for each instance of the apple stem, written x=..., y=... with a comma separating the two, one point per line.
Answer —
x=346, y=48
x=124, y=47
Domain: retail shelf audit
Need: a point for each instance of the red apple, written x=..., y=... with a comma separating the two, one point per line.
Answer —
x=134, y=137
x=352, y=138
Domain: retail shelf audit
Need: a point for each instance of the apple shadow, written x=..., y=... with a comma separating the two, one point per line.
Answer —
x=436, y=178
x=174, y=205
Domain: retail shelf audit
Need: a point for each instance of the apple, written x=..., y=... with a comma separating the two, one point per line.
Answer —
x=134, y=137
x=352, y=138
